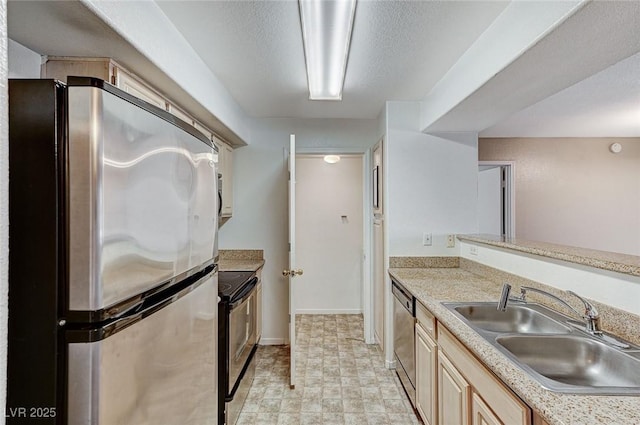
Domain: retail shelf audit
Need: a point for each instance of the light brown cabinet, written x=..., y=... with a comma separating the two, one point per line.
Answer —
x=426, y=366
x=480, y=412
x=60, y=67
x=177, y=112
x=453, y=387
x=225, y=167
x=134, y=87
x=453, y=394
x=499, y=404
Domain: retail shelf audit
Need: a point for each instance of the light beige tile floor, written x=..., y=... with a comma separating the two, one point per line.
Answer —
x=340, y=380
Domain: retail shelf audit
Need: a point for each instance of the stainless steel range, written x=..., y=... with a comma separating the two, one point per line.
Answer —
x=237, y=341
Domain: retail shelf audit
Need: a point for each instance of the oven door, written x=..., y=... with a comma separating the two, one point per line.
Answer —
x=242, y=337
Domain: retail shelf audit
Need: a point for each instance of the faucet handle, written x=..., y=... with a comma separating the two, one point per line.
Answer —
x=504, y=297
x=591, y=314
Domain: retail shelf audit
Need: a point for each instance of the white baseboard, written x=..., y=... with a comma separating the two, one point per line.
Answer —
x=390, y=365
x=329, y=311
x=271, y=341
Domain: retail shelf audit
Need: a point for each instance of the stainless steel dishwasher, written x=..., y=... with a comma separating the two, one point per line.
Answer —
x=404, y=338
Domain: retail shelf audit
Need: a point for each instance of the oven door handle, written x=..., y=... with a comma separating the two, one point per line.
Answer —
x=244, y=294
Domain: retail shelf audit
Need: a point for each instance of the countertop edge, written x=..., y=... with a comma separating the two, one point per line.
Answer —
x=620, y=263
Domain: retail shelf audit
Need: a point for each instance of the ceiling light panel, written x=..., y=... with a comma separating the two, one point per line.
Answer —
x=326, y=32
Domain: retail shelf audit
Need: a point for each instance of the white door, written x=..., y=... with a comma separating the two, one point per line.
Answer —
x=329, y=230
x=292, y=272
x=490, y=201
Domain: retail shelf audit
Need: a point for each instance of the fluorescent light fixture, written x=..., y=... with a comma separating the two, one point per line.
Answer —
x=326, y=34
x=331, y=159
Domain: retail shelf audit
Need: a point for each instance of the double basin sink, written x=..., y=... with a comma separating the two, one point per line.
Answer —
x=553, y=349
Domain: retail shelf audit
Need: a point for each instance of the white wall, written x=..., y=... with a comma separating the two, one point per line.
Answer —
x=328, y=246
x=431, y=183
x=489, y=201
x=23, y=62
x=614, y=289
x=574, y=191
x=4, y=206
x=260, y=218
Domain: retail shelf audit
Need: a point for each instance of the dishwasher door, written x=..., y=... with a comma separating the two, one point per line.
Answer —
x=404, y=339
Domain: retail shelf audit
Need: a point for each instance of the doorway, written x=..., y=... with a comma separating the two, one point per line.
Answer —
x=496, y=198
x=329, y=234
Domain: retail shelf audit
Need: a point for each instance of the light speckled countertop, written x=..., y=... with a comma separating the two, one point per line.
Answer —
x=621, y=263
x=431, y=286
x=241, y=260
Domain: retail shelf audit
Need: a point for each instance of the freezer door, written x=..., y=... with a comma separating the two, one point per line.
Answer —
x=159, y=371
x=142, y=199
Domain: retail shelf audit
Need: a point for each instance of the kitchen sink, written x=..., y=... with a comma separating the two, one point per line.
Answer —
x=516, y=319
x=572, y=362
x=553, y=349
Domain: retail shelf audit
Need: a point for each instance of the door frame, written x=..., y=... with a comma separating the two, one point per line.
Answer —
x=510, y=181
x=366, y=284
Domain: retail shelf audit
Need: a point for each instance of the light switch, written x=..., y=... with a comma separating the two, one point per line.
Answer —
x=426, y=239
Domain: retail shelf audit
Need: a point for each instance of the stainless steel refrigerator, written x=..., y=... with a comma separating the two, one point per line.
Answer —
x=113, y=285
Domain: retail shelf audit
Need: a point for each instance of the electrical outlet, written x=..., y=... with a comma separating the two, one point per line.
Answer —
x=451, y=241
x=473, y=250
x=426, y=239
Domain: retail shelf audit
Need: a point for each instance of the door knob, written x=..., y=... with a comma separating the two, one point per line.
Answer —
x=292, y=273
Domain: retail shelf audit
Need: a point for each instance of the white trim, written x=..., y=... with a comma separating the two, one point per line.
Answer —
x=272, y=341
x=367, y=251
x=511, y=192
x=329, y=311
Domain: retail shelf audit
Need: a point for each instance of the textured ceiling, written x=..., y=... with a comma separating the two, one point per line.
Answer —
x=399, y=50
x=606, y=104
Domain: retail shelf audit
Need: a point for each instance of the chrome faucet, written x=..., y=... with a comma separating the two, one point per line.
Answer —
x=590, y=315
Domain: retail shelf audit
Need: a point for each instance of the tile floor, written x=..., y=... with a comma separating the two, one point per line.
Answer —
x=340, y=380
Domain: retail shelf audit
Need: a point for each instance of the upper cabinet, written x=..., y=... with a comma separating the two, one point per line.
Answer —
x=137, y=88
x=177, y=112
x=225, y=167
x=108, y=70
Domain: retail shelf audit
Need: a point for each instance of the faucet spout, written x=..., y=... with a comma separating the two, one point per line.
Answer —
x=590, y=315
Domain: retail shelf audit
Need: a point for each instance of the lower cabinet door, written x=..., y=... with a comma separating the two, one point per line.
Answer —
x=453, y=394
x=426, y=369
x=480, y=412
